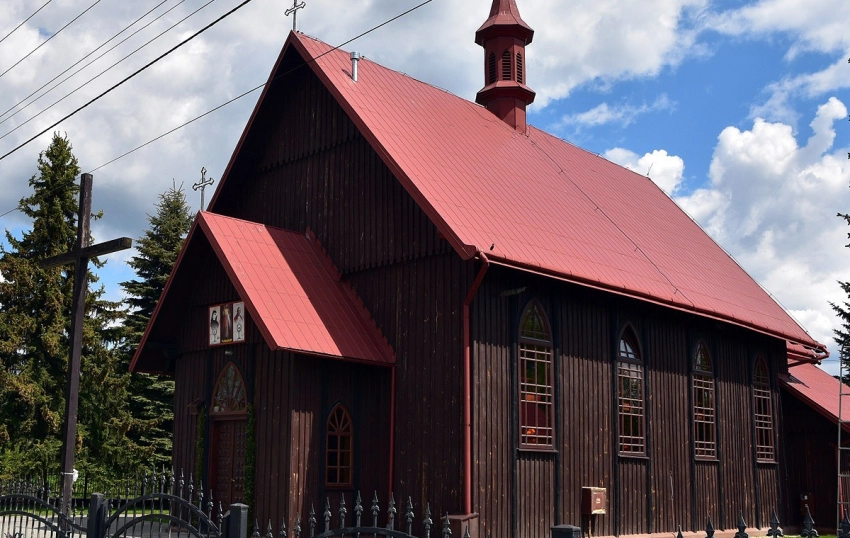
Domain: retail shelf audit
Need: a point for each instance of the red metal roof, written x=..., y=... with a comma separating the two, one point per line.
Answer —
x=504, y=13
x=818, y=389
x=291, y=290
x=535, y=202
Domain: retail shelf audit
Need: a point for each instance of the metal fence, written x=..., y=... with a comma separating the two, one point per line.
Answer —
x=162, y=504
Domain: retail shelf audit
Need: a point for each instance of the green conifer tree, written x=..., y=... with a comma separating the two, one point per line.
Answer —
x=34, y=328
x=842, y=335
x=158, y=248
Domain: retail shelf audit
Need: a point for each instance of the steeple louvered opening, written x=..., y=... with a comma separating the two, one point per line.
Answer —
x=519, y=67
x=491, y=68
x=506, y=65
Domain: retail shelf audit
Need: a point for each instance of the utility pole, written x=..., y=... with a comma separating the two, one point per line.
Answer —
x=80, y=258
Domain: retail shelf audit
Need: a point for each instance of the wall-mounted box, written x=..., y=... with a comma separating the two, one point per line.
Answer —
x=594, y=501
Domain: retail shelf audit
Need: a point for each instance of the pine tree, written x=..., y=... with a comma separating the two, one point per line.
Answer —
x=158, y=248
x=34, y=329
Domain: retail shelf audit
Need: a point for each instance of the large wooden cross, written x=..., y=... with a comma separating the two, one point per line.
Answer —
x=80, y=258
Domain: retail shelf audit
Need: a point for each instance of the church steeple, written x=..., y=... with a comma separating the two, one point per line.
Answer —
x=504, y=36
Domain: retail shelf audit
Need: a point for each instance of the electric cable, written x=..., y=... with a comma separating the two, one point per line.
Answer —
x=30, y=53
x=255, y=88
x=81, y=86
x=219, y=106
x=25, y=21
x=83, y=58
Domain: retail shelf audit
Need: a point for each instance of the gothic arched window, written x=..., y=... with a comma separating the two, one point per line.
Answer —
x=705, y=420
x=229, y=396
x=339, y=448
x=763, y=411
x=536, y=417
x=630, y=396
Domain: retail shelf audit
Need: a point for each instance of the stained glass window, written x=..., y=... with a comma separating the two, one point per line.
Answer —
x=229, y=395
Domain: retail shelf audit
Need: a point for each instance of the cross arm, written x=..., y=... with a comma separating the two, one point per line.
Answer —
x=122, y=243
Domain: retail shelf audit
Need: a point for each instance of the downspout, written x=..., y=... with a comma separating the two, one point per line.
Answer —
x=392, y=428
x=467, y=389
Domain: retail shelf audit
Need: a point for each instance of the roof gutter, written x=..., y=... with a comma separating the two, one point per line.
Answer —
x=467, y=387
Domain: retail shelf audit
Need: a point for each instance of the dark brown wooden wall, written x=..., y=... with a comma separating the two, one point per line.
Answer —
x=307, y=166
x=809, y=463
x=523, y=493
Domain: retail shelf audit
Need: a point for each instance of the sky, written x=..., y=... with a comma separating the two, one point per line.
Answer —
x=737, y=110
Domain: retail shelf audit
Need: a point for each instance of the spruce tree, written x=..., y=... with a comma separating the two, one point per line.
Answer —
x=34, y=329
x=842, y=335
x=158, y=248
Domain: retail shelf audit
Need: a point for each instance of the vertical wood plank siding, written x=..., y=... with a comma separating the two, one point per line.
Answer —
x=657, y=493
x=809, y=464
x=305, y=165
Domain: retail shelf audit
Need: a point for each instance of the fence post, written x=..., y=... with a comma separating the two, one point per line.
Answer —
x=237, y=521
x=97, y=516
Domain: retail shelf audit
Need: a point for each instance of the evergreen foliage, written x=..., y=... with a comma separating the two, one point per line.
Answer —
x=158, y=248
x=34, y=339
x=842, y=335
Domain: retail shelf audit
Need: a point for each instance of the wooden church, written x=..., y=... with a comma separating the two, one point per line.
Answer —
x=397, y=289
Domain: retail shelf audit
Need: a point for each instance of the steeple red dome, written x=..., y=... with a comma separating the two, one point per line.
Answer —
x=504, y=36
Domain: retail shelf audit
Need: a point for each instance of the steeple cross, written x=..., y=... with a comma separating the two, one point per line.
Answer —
x=80, y=258
x=296, y=5
x=203, y=184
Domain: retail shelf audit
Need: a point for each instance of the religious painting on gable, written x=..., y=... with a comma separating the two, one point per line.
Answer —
x=227, y=323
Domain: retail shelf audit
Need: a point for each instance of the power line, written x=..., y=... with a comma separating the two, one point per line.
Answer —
x=240, y=96
x=83, y=58
x=15, y=29
x=84, y=84
x=49, y=38
x=255, y=88
x=158, y=58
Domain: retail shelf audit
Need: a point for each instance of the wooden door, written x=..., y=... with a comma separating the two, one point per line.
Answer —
x=229, y=415
x=228, y=460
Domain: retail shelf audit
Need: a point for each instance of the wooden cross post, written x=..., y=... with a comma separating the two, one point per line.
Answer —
x=80, y=258
x=296, y=5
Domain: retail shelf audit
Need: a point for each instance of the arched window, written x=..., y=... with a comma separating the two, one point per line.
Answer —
x=763, y=408
x=491, y=68
x=229, y=396
x=536, y=418
x=519, y=67
x=630, y=396
x=705, y=420
x=506, y=65
x=339, y=451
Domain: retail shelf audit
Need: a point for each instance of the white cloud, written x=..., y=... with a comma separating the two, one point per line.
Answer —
x=772, y=204
x=621, y=115
x=666, y=171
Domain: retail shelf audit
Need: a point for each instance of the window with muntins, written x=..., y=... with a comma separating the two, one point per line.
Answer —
x=630, y=397
x=763, y=411
x=339, y=449
x=536, y=429
x=705, y=420
x=506, y=65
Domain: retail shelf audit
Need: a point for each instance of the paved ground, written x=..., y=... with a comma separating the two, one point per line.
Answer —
x=27, y=527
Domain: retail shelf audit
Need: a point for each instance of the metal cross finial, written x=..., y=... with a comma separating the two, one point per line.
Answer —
x=296, y=5
x=202, y=184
